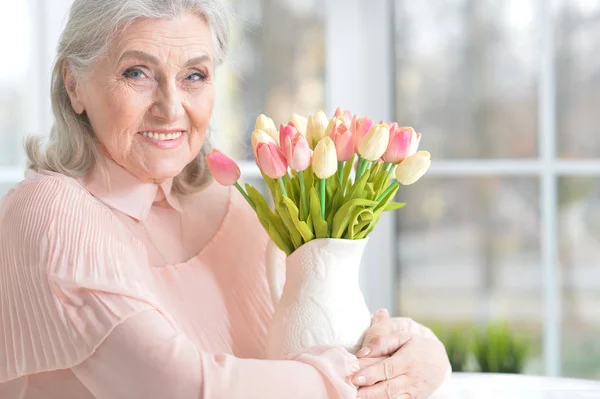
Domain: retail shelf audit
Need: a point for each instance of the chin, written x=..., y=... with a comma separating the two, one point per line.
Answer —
x=166, y=169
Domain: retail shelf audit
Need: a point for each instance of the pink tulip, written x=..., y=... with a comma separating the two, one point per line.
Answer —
x=224, y=169
x=346, y=114
x=344, y=142
x=270, y=160
x=360, y=128
x=297, y=152
x=288, y=130
x=404, y=142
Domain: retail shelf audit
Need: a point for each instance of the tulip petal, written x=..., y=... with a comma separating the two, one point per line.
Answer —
x=271, y=160
x=324, y=160
x=224, y=170
x=413, y=168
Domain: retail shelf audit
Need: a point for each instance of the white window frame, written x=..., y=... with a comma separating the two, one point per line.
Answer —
x=360, y=28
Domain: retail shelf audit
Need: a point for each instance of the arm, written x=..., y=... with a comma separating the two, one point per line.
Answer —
x=144, y=357
x=73, y=295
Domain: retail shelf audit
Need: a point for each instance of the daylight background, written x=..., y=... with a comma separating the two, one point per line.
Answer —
x=506, y=226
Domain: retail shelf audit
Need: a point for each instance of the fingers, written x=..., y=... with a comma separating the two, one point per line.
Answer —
x=386, y=369
x=383, y=345
x=396, y=388
x=369, y=361
x=381, y=324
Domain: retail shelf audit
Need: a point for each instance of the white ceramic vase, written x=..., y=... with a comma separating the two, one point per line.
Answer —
x=321, y=302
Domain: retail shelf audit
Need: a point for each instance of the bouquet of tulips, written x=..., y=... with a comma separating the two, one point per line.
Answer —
x=328, y=178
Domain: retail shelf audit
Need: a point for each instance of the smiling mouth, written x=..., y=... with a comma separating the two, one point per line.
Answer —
x=162, y=136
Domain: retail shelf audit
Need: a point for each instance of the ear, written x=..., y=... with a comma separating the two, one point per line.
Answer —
x=72, y=89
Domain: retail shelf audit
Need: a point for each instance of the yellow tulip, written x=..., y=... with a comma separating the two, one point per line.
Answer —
x=315, y=128
x=260, y=136
x=267, y=125
x=413, y=167
x=374, y=144
x=300, y=122
x=324, y=161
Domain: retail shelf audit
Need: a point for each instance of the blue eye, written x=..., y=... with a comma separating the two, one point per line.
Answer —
x=197, y=77
x=134, y=73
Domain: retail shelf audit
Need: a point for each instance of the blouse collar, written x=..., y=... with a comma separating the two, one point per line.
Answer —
x=120, y=190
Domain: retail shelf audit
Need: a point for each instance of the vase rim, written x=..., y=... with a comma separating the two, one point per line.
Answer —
x=337, y=241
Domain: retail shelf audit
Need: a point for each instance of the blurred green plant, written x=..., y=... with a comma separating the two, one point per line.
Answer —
x=498, y=350
x=457, y=340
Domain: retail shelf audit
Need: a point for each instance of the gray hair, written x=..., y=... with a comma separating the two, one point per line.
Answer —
x=71, y=148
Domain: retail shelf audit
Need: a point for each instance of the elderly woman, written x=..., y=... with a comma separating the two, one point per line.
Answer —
x=123, y=272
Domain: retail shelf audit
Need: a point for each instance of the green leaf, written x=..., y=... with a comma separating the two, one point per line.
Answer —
x=387, y=198
x=320, y=225
x=392, y=206
x=309, y=221
x=359, y=218
x=357, y=190
x=292, y=187
x=375, y=171
x=342, y=217
x=278, y=239
x=271, y=184
x=300, y=226
x=285, y=216
x=309, y=178
x=378, y=211
x=270, y=221
x=381, y=182
x=369, y=191
x=348, y=169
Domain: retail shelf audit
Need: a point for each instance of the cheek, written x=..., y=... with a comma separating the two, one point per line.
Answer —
x=118, y=119
x=200, y=112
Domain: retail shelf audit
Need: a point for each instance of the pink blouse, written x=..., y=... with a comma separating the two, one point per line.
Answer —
x=114, y=288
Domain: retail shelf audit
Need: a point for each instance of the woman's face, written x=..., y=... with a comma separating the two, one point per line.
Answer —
x=150, y=99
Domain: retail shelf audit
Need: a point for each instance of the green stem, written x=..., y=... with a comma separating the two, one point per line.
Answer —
x=323, y=191
x=390, y=170
x=243, y=192
x=387, y=190
x=360, y=169
x=282, y=186
x=303, y=196
x=341, y=173
x=387, y=166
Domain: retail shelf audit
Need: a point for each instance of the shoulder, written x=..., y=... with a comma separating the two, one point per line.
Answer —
x=43, y=202
x=51, y=224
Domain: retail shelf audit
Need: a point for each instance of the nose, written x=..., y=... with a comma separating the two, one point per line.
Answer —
x=167, y=104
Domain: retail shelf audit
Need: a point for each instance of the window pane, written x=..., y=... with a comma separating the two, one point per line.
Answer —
x=18, y=80
x=578, y=78
x=467, y=75
x=579, y=228
x=276, y=66
x=469, y=253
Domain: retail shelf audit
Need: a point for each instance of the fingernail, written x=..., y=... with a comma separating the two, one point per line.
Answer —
x=383, y=312
x=360, y=380
x=363, y=352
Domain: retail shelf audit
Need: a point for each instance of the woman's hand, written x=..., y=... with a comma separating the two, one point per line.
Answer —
x=416, y=368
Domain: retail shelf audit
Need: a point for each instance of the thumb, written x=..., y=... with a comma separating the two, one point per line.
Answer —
x=380, y=317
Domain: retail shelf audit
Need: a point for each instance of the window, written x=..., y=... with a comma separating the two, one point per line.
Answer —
x=504, y=227
x=276, y=66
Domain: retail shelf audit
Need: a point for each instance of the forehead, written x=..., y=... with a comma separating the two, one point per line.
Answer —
x=189, y=33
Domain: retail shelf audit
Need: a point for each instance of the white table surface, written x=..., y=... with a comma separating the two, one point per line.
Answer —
x=512, y=386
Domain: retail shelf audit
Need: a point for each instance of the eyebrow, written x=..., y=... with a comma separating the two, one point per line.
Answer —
x=152, y=59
